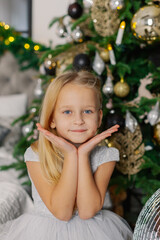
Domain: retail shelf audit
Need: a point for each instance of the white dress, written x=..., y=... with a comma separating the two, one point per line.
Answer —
x=41, y=224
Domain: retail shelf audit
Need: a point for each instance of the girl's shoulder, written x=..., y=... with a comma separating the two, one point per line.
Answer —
x=103, y=154
x=31, y=155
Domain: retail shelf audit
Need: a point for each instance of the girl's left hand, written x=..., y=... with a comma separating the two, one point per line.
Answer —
x=87, y=147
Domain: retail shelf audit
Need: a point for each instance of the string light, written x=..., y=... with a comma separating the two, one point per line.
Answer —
x=2, y=24
x=26, y=46
x=11, y=39
x=6, y=27
x=6, y=42
x=36, y=47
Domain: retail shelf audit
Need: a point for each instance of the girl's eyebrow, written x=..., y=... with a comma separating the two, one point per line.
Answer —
x=69, y=106
x=66, y=106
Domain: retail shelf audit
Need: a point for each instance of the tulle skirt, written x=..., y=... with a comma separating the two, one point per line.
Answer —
x=105, y=225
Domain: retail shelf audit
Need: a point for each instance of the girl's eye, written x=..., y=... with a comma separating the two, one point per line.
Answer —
x=67, y=112
x=87, y=111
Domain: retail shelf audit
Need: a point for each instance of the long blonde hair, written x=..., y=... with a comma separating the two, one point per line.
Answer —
x=51, y=159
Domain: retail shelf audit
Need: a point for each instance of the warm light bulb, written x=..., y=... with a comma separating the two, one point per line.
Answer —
x=2, y=24
x=123, y=24
x=109, y=47
x=109, y=145
x=6, y=26
x=26, y=46
x=11, y=39
x=36, y=47
x=6, y=42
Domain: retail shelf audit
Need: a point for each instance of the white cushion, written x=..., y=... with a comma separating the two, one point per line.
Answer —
x=14, y=201
x=13, y=105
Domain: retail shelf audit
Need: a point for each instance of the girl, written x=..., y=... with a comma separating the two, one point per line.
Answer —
x=69, y=172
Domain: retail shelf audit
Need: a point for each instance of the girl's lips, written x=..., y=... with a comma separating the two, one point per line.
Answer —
x=78, y=130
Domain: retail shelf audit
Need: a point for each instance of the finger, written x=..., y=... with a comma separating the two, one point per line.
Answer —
x=114, y=127
x=44, y=131
x=98, y=138
x=38, y=125
x=51, y=139
x=108, y=131
x=103, y=135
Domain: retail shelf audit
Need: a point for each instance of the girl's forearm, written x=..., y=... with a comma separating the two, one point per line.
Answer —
x=64, y=194
x=88, y=196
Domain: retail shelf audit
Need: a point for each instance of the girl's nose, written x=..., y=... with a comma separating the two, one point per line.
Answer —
x=78, y=119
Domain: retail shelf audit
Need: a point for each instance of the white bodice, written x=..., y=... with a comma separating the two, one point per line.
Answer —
x=100, y=155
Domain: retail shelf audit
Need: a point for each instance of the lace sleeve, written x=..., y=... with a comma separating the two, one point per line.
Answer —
x=103, y=154
x=30, y=155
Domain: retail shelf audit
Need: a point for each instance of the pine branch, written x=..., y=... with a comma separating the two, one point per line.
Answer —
x=80, y=20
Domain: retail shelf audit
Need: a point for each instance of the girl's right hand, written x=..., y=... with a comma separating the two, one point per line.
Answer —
x=59, y=142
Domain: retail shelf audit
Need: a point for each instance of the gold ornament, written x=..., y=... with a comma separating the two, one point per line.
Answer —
x=121, y=89
x=156, y=132
x=104, y=54
x=131, y=150
x=106, y=20
x=145, y=23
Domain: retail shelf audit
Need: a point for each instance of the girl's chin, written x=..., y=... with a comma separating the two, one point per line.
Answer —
x=78, y=143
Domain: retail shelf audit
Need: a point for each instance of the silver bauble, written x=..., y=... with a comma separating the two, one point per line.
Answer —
x=98, y=64
x=69, y=38
x=61, y=30
x=77, y=34
x=145, y=23
x=116, y=4
x=108, y=87
x=153, y=115
x=38, y=92
x=27, y=128
x=42, y=70
x=87, y=4
x=130, y=122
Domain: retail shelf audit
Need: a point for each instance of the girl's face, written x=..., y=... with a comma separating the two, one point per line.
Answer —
x=77, y=115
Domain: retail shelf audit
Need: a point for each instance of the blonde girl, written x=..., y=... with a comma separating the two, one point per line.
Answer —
x=69, y=171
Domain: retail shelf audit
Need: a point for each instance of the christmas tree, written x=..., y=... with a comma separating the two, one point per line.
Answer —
x=118, y=41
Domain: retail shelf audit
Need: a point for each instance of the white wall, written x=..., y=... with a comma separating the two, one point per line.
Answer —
x=5, y=7
x=42, y=14
x=20, y=15
x=14, y=13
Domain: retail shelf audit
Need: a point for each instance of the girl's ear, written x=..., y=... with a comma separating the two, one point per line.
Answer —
x=52, y=125
x=100, y=117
